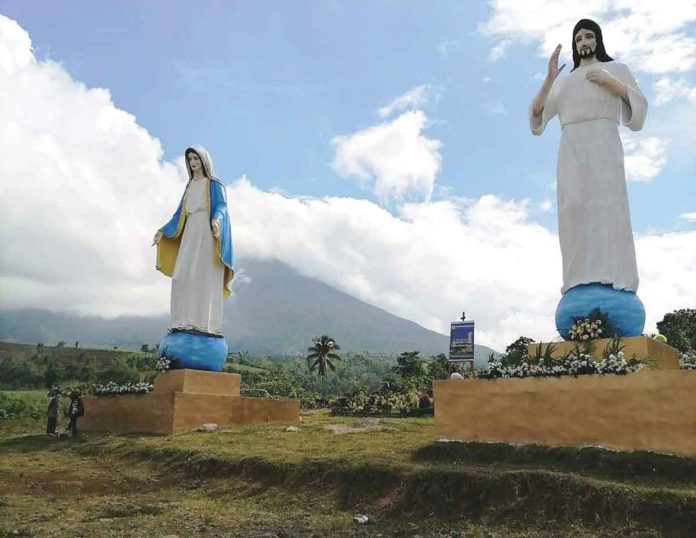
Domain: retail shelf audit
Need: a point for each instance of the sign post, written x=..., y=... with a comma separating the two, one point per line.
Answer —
x=462, y=342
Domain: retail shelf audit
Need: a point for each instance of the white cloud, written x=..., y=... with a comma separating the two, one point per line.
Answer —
x=496, y=107
x=689, y=217
x=666, y=265
x=428, y=263
x=435, y=259
x=546, y=205
x=644, y=157
x=412, y=99
x=499, y=50
x=446, y=45
x=650, y=36
x=667, y=89
x=395, y=157
x=83, y=189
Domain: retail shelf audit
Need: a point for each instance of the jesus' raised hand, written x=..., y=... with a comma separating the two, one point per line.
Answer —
x=554, y=70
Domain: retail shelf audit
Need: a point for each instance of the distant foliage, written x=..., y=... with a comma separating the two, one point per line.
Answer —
x=516, y=352
x=679, y=327
x=29, y=367
x=384, y=403
x=23, y=405
x=409, y=364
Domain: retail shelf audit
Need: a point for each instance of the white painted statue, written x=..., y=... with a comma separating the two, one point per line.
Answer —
x=594, y=224
x=195, y=249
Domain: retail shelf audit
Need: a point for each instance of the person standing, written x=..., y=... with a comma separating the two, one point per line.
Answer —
x=76, y=409
x=52, y=416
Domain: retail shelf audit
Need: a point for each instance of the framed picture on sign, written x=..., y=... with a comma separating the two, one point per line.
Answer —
x=461, y=341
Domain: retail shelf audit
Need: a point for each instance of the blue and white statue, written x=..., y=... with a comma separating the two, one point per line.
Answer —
x=594, y=223
x=195, y=249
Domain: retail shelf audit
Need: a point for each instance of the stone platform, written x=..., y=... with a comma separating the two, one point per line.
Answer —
x=181, y=401
x=654, y=409
x=639, y=346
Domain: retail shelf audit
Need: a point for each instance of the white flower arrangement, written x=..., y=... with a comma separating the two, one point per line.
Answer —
x=574, y=365
x=585, y=329
x=111, y=388
x=163, y=364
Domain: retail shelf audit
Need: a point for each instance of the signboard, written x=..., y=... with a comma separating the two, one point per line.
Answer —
x=462, y=341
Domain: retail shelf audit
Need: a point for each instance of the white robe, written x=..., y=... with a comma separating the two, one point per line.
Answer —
x=196, y=300
x=594, y=223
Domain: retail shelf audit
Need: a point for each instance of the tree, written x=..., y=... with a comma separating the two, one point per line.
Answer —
x=52, y=374
x=61, y=343
x=409, y=364
x=145, y=348
x=516, y=351
x=438, y=366
x=320, y=356
x=679, y=327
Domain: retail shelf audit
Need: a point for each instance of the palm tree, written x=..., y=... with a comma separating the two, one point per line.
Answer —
x=320, y=356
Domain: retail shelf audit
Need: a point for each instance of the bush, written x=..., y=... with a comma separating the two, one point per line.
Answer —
x=23, y=404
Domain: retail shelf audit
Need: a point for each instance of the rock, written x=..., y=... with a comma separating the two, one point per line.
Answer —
x=292, y=429
x=361, y=519
x=208, y=427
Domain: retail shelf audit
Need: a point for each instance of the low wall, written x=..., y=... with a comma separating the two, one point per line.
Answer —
x=181, y=401
x=649, y=410
x=129, y=413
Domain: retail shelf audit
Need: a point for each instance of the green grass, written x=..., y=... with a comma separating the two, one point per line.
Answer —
x=263, y=480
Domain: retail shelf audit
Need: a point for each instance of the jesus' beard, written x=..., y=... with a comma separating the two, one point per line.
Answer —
x=587, y=53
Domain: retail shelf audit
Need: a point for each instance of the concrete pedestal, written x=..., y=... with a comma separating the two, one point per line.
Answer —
x=181, y=401
x=654, y=409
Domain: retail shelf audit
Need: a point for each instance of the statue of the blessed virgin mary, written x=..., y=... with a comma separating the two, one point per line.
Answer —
x=195, y=249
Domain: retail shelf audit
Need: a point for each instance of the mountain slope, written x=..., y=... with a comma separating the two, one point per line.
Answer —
x=276, y=312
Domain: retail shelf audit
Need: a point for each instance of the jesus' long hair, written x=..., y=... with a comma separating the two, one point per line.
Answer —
x=600, y=52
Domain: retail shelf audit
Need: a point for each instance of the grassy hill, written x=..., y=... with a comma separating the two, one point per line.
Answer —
x=265, y=481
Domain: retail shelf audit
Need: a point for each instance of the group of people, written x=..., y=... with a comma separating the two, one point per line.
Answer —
x=76, y=408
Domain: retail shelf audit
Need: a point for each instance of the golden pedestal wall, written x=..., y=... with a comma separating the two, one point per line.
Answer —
x=641, y=346
x=181, y=401
x=654, y=409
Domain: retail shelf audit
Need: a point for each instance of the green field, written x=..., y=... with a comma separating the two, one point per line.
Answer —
x=266, y=481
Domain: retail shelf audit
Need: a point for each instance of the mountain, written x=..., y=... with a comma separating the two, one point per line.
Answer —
x=275, y=311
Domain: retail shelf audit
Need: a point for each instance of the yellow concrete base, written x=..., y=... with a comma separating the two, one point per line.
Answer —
x=639, y=346
x=181, y=401
x=649, y=410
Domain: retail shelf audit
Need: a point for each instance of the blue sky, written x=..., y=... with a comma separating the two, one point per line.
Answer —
x=267, y=85
x=287, y=94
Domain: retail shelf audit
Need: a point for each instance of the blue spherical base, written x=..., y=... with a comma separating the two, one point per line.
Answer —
x=194, y=350
x=624, y=308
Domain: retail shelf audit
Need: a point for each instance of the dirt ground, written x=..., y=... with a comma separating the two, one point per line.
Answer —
x=48, y=488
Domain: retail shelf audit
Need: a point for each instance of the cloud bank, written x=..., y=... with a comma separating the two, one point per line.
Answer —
x=83, y=188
